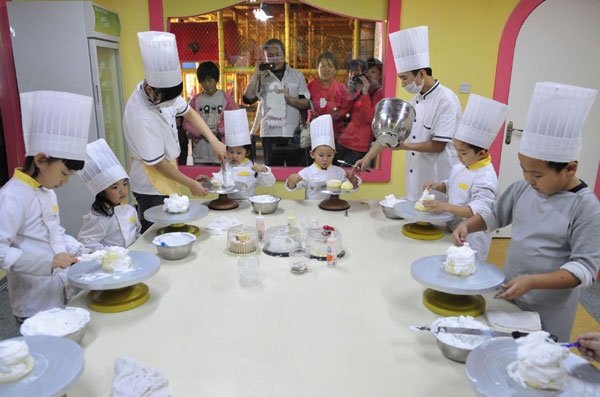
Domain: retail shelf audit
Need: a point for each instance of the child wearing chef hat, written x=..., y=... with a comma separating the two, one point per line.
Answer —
x=473, y=183
x=321, y=170
x=555, y=216
x=34, y=249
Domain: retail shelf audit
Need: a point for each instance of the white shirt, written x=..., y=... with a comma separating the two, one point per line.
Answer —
x=438, y=114
x=151, y=134
x=314, y=173
x=268, y=93
x=100, y=231
x=243, y=173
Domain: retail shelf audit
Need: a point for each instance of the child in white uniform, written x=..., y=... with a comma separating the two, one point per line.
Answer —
x=322, y=152
x=34, y=249
x=555, y=217
x=473, y=184
x=238, y=165
x=111, y=222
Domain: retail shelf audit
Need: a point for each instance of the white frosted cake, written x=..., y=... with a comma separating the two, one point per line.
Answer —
x=424, y=197
x=539, y=363
x=176, y=204
x=116, y=259
x=460, y=260
x=15, y=360
x=56, y=322
x=218, y=180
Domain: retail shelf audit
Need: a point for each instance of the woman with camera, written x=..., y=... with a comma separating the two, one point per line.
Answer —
x=356, y=137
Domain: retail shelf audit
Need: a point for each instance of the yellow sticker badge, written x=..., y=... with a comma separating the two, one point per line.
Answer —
x=243, y=173
x=132, y=219
x=55, y=208
x=463, y=186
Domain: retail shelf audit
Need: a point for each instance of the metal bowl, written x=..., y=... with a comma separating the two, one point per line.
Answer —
x=389, y=212
x=265, y=208
x=177, y=245
x=452, y=352
x=392, y=121
x=76, y=336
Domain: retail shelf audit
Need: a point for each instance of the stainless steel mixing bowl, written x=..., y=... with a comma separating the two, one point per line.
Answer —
x=392, y=121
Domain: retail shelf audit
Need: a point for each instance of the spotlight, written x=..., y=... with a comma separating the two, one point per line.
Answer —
x=262, y=13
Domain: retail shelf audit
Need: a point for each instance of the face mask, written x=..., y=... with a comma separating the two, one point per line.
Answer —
x=167, y=104
x=413, y=88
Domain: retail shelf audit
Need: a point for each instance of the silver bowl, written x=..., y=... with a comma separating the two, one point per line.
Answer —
x=452, y=352
x=392, y=121
x=174, y=251
x=389, y=212
x=265, y=208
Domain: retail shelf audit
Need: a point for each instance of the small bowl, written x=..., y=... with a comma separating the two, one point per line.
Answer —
x=265, y=208
x=389, y=212
x=175, y=245
x=76, y=336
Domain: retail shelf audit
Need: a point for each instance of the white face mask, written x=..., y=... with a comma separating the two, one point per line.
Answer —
x=167, y=104
x=413, y=88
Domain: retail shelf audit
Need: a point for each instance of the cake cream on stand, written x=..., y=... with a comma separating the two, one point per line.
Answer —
x=422, y=229
x=176, y=221
x=333, y=203
x=116, y=291
x=224, y=202
x=453, y=295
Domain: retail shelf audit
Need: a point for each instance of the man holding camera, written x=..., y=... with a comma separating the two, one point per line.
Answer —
x=283, y=93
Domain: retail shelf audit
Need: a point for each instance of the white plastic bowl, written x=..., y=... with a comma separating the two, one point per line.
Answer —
x=31, y=326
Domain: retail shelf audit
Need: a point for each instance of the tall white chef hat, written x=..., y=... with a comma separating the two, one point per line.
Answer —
x=321, y=132
x=237, y=132
x=481, y=121
x=553, y=127
x=410, y=48
x=56, y=123
x=160, y=58
x=102, y=168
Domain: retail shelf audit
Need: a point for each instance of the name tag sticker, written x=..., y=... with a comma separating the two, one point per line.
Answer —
x=463, y=186
x=243, y=173
x=55, y=208
x=132, y=219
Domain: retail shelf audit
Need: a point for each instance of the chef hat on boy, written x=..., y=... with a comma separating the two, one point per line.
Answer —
x=481, y=121
x=553, y=127
x=237, y=132
x=102, y=168
x=160, y=58
x=56, y=123
x=410, y=48
x=321, y=132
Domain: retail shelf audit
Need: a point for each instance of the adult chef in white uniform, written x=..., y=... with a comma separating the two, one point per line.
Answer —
x=430, y=154
x=151, y=130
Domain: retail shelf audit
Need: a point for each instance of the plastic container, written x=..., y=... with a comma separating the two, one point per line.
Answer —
x=332, y=251
x=281, y=240
x=291, y=220
x=260, y=227
x=241, y=240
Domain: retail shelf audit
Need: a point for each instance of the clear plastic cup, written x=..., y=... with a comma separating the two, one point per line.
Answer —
x=248, y=267
x=299, y=260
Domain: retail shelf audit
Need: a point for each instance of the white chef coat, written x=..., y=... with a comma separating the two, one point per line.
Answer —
x=100, y=231
x=438, y=114
x=30, y=236
x=151, y=134
x=314, y=173
x=475, y=186
x=560, y=231
x=243, y=173
x=295, y=83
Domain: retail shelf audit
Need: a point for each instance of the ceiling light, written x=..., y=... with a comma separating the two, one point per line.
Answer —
x=262, y=13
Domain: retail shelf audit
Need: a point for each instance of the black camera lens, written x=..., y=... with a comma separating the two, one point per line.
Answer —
x=266, y=66
x=357, y=79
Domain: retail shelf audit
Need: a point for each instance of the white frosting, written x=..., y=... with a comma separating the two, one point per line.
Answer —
x=56, y=322
x=426, y=196
x=264, y=198
x=390, y=201
x=174, y=239
x=116, y=259
x=462, y=341
x=94, y=256
x=282, y=244
x=539, y=362
x=176, y=203
x=460, y=260
x=218, y=181
x=15, y=360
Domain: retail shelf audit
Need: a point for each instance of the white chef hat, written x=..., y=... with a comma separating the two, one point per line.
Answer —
x=56, y=123
x=481, y=121
x=321, y=132
x=160, y=58
x=553, y=127
x=237, y=132
x=410, y=48
x=102, y=168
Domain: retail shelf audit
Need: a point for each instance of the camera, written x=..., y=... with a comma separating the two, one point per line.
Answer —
x=357, y=79
x=266, y=66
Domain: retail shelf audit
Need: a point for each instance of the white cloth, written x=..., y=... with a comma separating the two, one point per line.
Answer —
x=222, y=224
x=151, y=135
x=321, y=132
x=522, y=321
x=160, y=58
x=477, y=188
x=481, y=121
x=102, y=168
x=132, y=379
x=237, y=132
x=243, y=173
x=313, y=174
x=99, y=232
x=30, y=236
x=553, y=127
x=56, y=123
x=438, y=113
x=276, y=121
x=410, y=48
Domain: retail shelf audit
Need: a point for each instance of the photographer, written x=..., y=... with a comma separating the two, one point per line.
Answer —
x=355, y=139
x=283, y=93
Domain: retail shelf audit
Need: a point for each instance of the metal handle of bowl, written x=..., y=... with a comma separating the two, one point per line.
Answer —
x=509, y=132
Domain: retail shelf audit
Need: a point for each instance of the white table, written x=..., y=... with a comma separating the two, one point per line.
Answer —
x=329, y=332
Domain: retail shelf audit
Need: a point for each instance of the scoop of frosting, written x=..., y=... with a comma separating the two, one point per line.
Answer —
x=460, y=260
x=176, y=203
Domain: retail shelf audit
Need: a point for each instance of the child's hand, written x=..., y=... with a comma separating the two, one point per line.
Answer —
x=589, y=345
x=202, y=178
x=293, y=180
x=516, y=287
x=63, y=260
x=259, y=168
x=459, y=235
x=435, y=206
x=429, y=185
x=197, y=189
